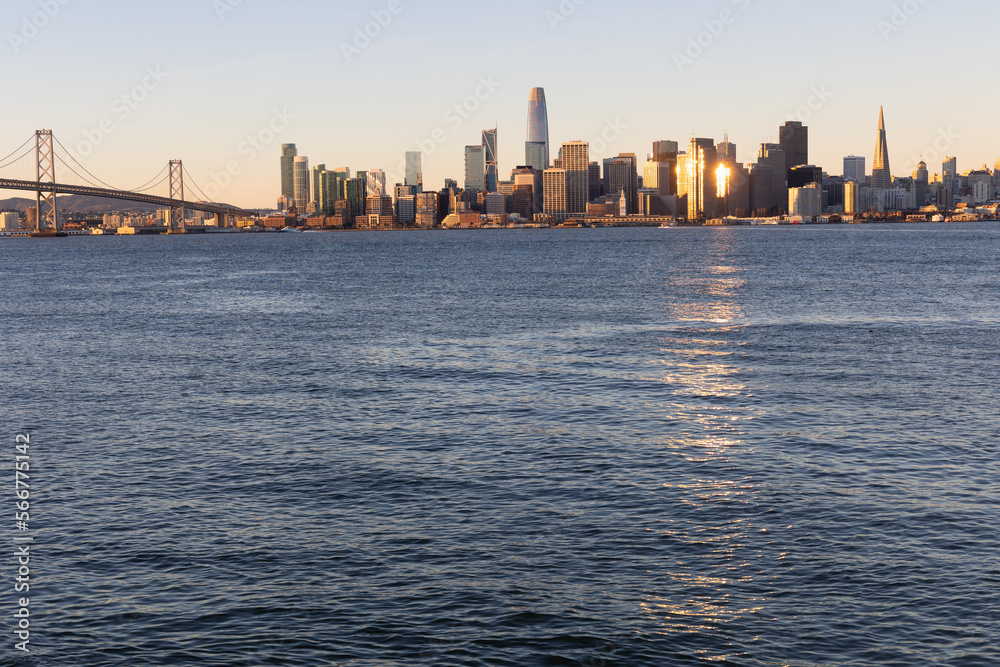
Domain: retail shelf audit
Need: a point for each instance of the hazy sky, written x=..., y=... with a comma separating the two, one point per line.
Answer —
x=200, y=77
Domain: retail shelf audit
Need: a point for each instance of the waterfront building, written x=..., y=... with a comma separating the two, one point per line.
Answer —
x=10, y=222
x=536, y=150
x=555, y=185
x=406, y=210
x=881, y=173
x=288, y=154
x=852, y=197
x=806, y=201
x=576, y=163
x=697, y=179
x=302, y=185
x=774, y=155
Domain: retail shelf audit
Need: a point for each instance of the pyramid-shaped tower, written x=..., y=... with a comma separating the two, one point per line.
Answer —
x=881, y=175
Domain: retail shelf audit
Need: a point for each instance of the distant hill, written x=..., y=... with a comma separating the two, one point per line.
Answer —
x=81, y=204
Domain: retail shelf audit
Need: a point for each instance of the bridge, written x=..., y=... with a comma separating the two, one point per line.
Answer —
x=42, y=157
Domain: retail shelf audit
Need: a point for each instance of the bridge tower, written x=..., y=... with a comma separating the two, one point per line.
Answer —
x=48, y=220
x=176, y=192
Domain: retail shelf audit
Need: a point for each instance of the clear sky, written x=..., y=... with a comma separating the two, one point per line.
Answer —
x=227, y=70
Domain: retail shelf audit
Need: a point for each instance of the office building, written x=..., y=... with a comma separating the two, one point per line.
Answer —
x=852, y=197
x=475, y=168
x=376, y=184
x=301, y=170
x=794, y=140
x=536, y=150
x=288, y=155
x=697, y=181
x=806, y=201
x=854, y=169
x=490, y=160
x=414, y=170
x=555, y=185
x=881, y=173
x=576, y=163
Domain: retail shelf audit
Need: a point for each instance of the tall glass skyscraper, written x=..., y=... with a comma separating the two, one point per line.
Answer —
x=414, y=171
x=288, y=154
x=536, y=149
x=490, y=157
x=302, y=184
x=475, y=169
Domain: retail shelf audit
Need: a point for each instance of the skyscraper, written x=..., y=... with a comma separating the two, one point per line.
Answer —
x=854, y=169
x=774, y=155
x=576, y=162
x=301, y=193
x=288, y=154
x=881, y=174
x=698, y=179
x=794, y=140
x=414, y=170
x=490, y=158
x=475, y=168
x=536, y=149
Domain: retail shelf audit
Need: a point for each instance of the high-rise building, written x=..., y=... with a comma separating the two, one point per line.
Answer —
x=320, y=189
x=806, y=201
x=490, y=159
x=697, y=180
x=726, y=150
x=414, y=170
x=475, y=168
x=301, y=170
x=774, y=155
x=576, y=162
x=921, y=182
x=288, y=155
x=854, y=169
x=376, y=182
x=852, y=197
x=665, y=151
x=794, y=140
x=555, y=186
x=536, y=150
x=762, y=179
x=881, y=173
x=529, y=180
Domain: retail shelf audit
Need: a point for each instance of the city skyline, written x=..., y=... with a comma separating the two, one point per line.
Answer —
x=202, y=105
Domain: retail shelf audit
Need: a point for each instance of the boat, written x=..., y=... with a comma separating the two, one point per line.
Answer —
x=294, y=230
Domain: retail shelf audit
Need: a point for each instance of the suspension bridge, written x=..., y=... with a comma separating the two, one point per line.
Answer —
x=39, y=156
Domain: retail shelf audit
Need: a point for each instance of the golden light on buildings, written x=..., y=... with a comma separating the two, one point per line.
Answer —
x=722, y=176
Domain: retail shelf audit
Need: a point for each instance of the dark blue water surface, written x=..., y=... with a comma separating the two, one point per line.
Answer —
x=571, y=447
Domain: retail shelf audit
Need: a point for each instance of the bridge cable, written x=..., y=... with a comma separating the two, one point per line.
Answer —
x=19, y=148
x=68, y=152
x=146, y=186
x=17, y=159
x=83, y=178
x=197, y=187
